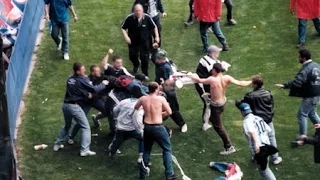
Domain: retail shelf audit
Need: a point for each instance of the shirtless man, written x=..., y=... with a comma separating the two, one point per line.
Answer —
x=155, y=108
x=218, y=87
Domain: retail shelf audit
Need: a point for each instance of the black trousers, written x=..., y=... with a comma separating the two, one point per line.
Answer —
x=200, y=92
x=229, y=6
x=190, y=10
x=140, y=52
x=177, y=118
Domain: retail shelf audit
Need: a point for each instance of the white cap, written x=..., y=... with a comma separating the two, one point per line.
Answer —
x=214, y=48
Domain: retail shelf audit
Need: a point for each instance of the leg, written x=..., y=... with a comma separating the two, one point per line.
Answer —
x=68, y=116
x=81, y=119
x=190, y=10
x=77, y=127
x=162, y=138
x=65, y=37
x=177, y=118
x=204, y=36
x=302, y=116
x=200, y=91
x=217, y=31
x=267, y=174
x=109, y=111
x=313, y=115
x=148, y=143
x=302, y=30
x=145, y=57
x=273, y=141
x=216, y=121
x=55, y=32
x=229, y=6
x=138, y=136
x=316, y=23
x=134, y=57
x=116, y=142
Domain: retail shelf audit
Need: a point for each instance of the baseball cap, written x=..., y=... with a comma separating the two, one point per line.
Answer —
x=244, y=108
x=213, y=48
x=161, y=54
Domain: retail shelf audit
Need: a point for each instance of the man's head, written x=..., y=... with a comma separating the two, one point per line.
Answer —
x=117, y=62
x=161, y=56
x=214, y=51
x=138, y=11
x=79, y=69
x=304, y=55
x=257, y=81
x=140, y=77
x=153, y=88
x=95, y=71
x=244, y=108
x=217, y=69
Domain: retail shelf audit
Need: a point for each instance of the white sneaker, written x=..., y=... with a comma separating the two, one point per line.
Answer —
x=87, y=153
x=147, y=78
x=140, y=159
x=277, y=161
x=118, y=151
x=206, y=126
x=66, y=56
x=228, y=151
x=71, y=141
x=60, y=44
x=184, y=128
x=57, y=147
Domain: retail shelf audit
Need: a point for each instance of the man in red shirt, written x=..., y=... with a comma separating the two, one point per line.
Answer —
x=306, y=10
x=208, y=12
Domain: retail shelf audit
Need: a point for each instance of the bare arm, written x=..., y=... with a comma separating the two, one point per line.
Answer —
x=75, y=17
x=255, y=141
x=237, y=82
x=104, y=61
x=166, y=110
x=156, y=38
x=138, y=104
x=197, y=79
x=46, y=11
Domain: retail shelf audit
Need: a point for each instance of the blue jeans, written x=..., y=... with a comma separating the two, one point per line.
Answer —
x=158, y=134
x=216, y=30
x=302, y=28
x=267, y=174
x=121, y=136
x=98, y=105
x=62, y=27
x=70, y=112
x=273, y=141
x=308, y=109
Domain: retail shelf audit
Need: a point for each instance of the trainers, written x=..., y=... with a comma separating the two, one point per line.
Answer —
x=172, y=177
x=188, y=23
x=146, y=172
x=225, y=47
x=60, y=44
x=209, y=30
x=71, y=141
x=66, y=56
x=87, y=153
x=300, y=45
x=170, y=133
x=57, y=147
x=140, y=159
x=96, y=122
x=228, y=151
x=118, y=151
x=147, y=78
x=206, y=126
x=184, y=128
x=277, y=161
x=232, y=22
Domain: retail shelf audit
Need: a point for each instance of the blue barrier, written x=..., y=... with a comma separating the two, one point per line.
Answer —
x=21, y=58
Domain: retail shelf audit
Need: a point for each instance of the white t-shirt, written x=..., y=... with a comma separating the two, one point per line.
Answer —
x=256, y=124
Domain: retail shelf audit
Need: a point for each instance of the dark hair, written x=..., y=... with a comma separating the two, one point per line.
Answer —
x=77, y=66
x=153, y=86
x=257, y=80
x=115, y=58
x=304, y=53
x=92, y=67
x=140, y=77
x=218, y=68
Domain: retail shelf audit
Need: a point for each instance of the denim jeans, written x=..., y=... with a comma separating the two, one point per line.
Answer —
x=273, y=141
x=267, y=174
x=158, y=134
x=62, y=27
x=308, y=109
x=302, y=28
x=70, y=112
x=121, y=136
x=216, y=30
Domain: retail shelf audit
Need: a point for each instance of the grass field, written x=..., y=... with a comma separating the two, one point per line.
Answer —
x=268, y=49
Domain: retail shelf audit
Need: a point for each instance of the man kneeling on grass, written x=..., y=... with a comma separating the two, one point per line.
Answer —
x=129, y=125
x=256, y=131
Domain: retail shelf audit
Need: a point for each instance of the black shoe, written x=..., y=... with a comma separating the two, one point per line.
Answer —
x=296, y=143
x=188, y=23
x=232, y=22
x=172, y=177
x=225, y=47
x=300, y=45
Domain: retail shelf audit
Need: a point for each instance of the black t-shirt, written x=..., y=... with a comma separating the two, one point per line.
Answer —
x=139, y=32
x=111, y=71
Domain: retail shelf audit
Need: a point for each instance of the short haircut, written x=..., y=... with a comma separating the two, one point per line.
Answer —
x=115, y=58
x=304, y=53
x=77, y=66
x=153, y=86
x=218, y=68
x=257, y=80
x=92, y=67
x=140, y=77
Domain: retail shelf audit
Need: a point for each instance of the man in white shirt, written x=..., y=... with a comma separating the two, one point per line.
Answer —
x=129, y=125
x=256, y=132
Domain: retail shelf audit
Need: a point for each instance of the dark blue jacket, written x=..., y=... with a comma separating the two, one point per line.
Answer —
x=78, y=89
x=162, y=71
x=306, y=84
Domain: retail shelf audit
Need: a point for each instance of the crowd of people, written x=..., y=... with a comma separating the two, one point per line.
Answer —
x=136, y=109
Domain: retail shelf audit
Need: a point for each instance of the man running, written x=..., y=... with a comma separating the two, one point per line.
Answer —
x=218, y=87
x=155, y=108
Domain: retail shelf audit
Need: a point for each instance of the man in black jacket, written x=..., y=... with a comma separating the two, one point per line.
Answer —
x=306, y=85
x=262, y=105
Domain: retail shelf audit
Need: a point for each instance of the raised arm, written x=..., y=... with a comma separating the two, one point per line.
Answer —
x=237, y=82
x=197, y=79
x=166, y=110
x=104, y=61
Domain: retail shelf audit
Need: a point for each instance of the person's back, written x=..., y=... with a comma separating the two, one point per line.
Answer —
x=152, y=105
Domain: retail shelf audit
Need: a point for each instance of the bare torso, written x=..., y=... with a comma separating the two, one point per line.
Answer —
x=152, y=106
x=218, y=88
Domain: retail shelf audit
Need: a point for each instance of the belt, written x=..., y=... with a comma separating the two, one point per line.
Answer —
x=153, y=124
